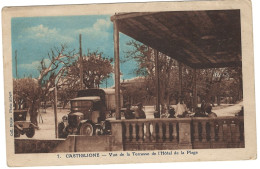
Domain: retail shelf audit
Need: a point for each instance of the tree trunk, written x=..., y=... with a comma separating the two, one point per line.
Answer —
x=33, y=116
x=64, y=104
x=33, y=111
x=218, y=100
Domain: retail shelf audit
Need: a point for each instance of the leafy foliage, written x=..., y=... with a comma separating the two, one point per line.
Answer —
x=96, y=69
x=32, y=91
x=211, y=83
x=145, y=57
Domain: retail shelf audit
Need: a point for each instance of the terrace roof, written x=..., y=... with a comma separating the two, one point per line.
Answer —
x=199, y=39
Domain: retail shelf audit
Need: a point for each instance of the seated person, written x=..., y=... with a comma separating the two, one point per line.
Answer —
x=210, y=113
x=198, y=113
x=171, y=112
x=184, y=114
x=241, y=112
x=181, y=108
x=129, y=114
x=156, y=114
x=139, y=113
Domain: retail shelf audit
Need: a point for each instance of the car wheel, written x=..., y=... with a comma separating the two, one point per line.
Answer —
x=86, y=129
x=99, y=130
x=16, y=132
x=30, y=131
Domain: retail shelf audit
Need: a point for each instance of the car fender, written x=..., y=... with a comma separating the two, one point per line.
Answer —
x=85, y=121
x=36, y=127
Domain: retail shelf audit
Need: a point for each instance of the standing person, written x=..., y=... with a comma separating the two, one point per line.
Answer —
x=210, y=113
x=139, y=113
x=181, y=108
x=129, y=114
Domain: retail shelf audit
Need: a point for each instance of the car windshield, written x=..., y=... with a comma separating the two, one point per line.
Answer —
x=80, y=105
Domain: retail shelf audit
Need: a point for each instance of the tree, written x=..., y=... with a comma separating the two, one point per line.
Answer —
x=96, y=69
x=67, y=89
x=211, y=83
x=23, y=90
x=50, y=71
x=217, y=82
x=145, y=57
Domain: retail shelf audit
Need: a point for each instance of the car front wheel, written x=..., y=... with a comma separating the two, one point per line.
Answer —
x=86, y=129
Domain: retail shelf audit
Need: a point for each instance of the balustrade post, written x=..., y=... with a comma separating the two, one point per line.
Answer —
x=167, y=131
x=220, y=131
x=229, y=136
x=147, y=134
x=196, y=131
x=174, y=132
x=203, y=131
x=137, y=131
x=237, y=131
x=133, y=132
x=233, y=131
x=212, y=130
x=160, y=131
x=127, y=131
x=154, y=132
x=140, y=132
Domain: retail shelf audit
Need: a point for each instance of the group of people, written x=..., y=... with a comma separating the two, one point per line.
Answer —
x=181, y=111
x=137, y=114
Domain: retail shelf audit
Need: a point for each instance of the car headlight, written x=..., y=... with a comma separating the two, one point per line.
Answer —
x=64, y=118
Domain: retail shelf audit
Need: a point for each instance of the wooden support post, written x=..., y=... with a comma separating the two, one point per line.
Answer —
x=157, y=81
x=117, y=70
x=55, y=111
x=16, y=73
x=195, y=102
x=180, y=79
x=81, y=63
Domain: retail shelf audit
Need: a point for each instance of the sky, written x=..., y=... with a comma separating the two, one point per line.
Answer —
x=33, y=37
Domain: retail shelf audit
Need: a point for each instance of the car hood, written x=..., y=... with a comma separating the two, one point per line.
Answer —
x=76, y=114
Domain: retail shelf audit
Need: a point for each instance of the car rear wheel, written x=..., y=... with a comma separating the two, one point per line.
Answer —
x=30, y=131
x=86, y=129
x=16, y=132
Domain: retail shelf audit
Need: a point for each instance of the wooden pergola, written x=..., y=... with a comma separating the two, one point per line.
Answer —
x=199, y=39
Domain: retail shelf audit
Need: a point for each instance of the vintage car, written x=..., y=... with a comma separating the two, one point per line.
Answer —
x=21, y=126
x=88, y=114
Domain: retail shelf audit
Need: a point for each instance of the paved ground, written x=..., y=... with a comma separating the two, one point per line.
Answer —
x=46, y=130
x=228, y=110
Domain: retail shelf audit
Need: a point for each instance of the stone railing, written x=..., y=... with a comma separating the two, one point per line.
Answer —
x=149, y=134
x=221, y=132
x=179, y=133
